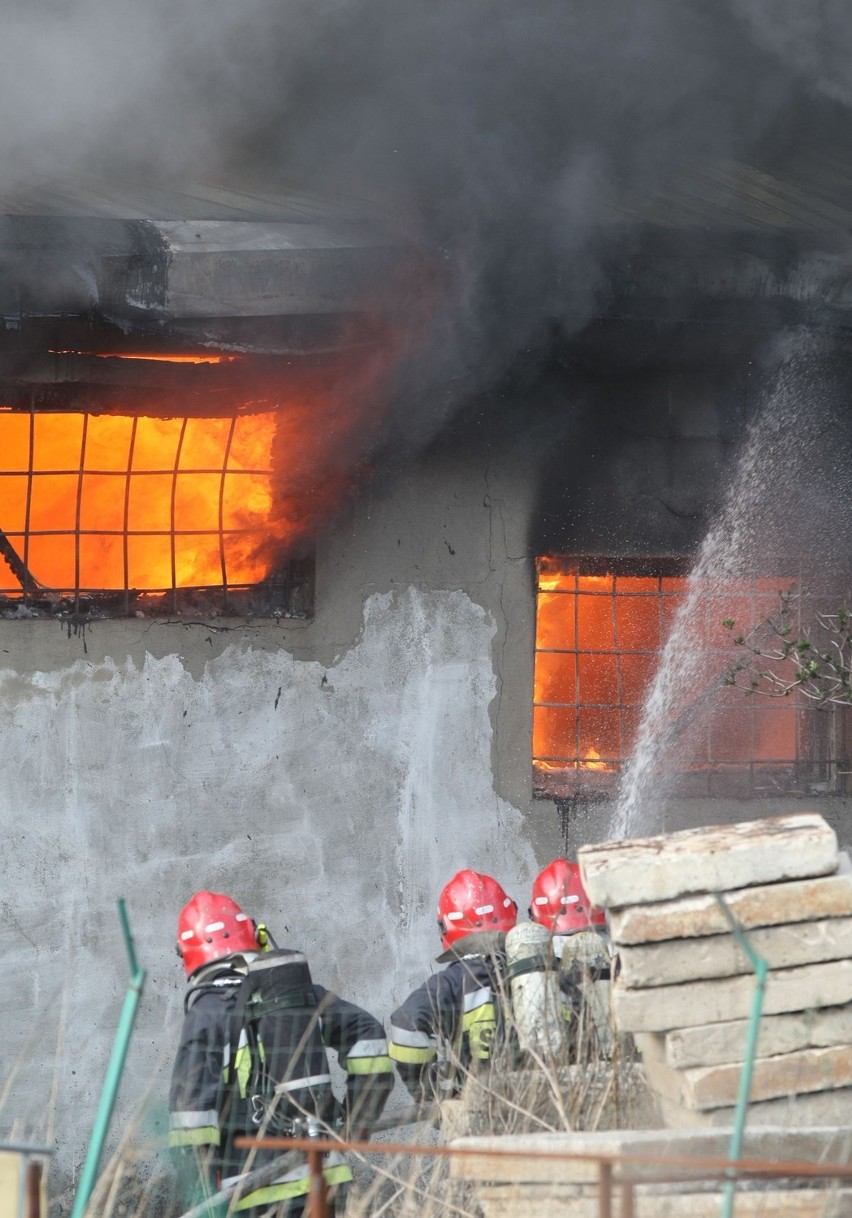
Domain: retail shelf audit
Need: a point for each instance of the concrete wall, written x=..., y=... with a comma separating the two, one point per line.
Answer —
x=330, y=774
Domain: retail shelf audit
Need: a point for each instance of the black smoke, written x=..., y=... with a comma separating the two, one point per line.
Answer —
x=519, y=144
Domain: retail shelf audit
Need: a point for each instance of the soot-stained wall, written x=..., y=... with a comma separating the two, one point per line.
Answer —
x=330, y=774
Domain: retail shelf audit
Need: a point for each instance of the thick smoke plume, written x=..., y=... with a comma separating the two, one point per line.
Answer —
x=516, y=139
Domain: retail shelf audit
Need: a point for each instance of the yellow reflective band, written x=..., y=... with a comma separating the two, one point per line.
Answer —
x=480, y=1026
x=369, y=1065
x=341, y=1174
x=208, y=1136
x=567, y=1012
x=404, y=1053
x=242, y=1069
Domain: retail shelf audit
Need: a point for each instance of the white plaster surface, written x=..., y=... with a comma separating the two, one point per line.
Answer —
x=331, y=801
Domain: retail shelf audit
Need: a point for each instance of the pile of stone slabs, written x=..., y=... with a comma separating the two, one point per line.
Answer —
x=524, y=1181
x=686, y=987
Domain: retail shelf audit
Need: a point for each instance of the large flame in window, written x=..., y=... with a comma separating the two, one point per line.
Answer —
x=99, y=502
x=598, y=643
x=215, y=487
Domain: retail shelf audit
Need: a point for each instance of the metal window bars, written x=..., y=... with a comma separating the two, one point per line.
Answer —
x=599, y=636
x=63, y=547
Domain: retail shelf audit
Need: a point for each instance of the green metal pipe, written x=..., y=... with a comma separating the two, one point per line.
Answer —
x=112, y=1081
x=761, y=969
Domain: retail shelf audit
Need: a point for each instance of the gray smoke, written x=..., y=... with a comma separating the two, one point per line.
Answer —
x=514, y=140
x=813, y=39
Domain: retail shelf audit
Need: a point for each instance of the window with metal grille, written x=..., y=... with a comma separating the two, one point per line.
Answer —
x=127, y=512
x=600, y=629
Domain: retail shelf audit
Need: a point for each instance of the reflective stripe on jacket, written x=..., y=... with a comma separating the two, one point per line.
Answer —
x=205, y=1112
x=458, y=1009
x=295, y=1183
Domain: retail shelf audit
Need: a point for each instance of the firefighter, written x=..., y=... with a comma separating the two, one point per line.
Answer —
x=252, y=1058
x=456, y=1012
x=580, y=941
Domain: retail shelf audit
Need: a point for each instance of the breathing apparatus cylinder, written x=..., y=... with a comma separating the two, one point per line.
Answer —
x=534, y=989
x=587, y=957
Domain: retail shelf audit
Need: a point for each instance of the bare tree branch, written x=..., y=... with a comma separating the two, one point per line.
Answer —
x=782, y=657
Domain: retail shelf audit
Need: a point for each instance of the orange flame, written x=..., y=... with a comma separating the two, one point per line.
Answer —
x=598, y=642
x=205, y=357
x=591, y=761
x=208, y=482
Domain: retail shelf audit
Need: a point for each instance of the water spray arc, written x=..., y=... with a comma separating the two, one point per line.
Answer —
x=794, y=463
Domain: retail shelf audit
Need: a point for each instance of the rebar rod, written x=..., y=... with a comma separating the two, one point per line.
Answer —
x=761, y=969
x=112, y=1080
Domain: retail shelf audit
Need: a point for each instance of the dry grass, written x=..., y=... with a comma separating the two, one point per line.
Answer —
x=579, y=1083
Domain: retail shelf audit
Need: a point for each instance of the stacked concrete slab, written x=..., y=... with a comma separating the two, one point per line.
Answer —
x=532, y=1179
x=686, y=987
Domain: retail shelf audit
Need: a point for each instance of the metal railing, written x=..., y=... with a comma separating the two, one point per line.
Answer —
x=616, y=1173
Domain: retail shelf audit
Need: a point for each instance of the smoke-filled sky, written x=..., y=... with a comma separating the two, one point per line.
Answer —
x=502, y=129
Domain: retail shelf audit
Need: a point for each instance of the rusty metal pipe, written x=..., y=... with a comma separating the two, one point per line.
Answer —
x=32, y=1189
x=628, y=1200
x=318, y=1196
x=605, y=1190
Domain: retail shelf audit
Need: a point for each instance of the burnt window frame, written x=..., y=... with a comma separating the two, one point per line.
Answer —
x=823, y=738
x=79, y=367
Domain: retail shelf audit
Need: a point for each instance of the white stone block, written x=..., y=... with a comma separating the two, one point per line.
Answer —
x=715, y=1043
x=711, y=859
x=817, y=1108
x=799, y=1073
x=532, y=1161
x=769, y=1202
x=690, y=1004
x=828, y=896
x=722, y=956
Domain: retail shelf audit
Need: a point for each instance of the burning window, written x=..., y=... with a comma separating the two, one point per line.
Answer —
x=139, y=506
x=135, y=479
x=600, y=629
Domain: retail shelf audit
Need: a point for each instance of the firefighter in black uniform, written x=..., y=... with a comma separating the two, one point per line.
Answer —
x=252, y=1058
x=457, y=1011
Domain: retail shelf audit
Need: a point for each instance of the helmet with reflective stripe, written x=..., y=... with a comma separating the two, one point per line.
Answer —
x=210, y=926
x=473, y=902
x=560, y=902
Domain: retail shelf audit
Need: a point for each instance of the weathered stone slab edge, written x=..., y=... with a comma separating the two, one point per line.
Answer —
x=691, y=917
x=716, y=1044
x=663, y=1008
x=716, y=857
x=805, y=1072
x=783, y=946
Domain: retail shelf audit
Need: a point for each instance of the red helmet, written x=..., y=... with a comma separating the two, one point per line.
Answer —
x=560, y=902
x=473, y=902
x=211, y=926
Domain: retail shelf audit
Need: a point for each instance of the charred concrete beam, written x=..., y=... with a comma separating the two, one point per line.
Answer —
x=191, y=273
x=758, y=280
x=38, y=371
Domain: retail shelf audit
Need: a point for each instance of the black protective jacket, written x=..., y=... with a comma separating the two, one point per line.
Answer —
x=458, y=1015
x=207, y=1112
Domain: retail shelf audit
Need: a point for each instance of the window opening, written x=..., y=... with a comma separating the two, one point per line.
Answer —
x=600, y=629
x=136, y=511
